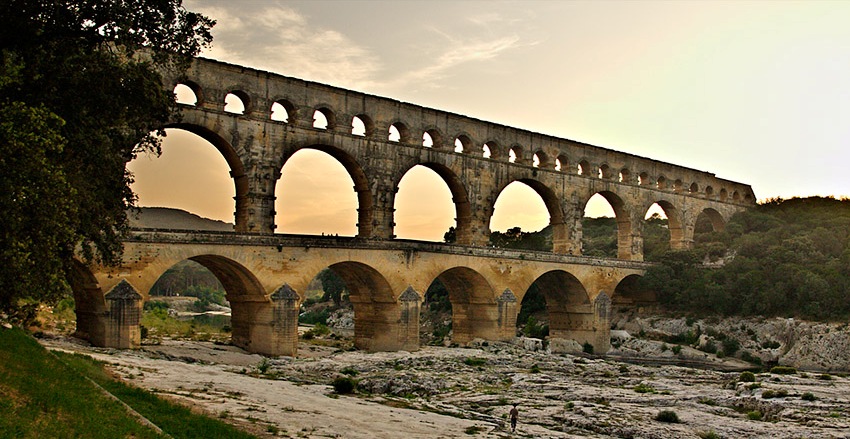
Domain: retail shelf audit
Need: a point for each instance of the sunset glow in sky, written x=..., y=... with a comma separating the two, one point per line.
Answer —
x=756, y=92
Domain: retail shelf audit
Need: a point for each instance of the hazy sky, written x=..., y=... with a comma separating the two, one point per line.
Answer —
x=756, y=92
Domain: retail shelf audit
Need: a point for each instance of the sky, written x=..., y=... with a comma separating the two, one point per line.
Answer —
x=755, y=92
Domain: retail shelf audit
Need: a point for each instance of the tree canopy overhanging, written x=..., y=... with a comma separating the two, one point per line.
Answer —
x=82, y=95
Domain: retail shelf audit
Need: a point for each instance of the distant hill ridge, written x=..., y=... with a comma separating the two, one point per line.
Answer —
x=168, y=218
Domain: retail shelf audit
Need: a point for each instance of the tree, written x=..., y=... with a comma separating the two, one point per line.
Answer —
x=82, y=96
x=332, y=285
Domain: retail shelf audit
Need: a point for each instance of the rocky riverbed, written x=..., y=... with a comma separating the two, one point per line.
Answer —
x=443, y=392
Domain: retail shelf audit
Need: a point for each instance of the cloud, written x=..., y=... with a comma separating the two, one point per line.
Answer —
x=277, y=38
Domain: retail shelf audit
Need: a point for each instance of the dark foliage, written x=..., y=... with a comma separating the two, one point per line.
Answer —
x=82, y=82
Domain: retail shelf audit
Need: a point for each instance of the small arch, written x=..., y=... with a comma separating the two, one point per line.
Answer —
x=282, y=111
x=723, y=194
x=562, y=163
x=736, y=196
x=186, y=94
x=643, y=179
x=515, y=154
x=362, y=125
x=398, y=132
x=463, y=144
x=427, y=140
x=583, y=168
x=709, y=191
x=540, y=160
x=661, y=183
x=624, y=176
x=494, y=148
x=486, y=151
x=605, y=172
x=674, y=223
x=693, y=188
x=323, y=119
x=623, y=243
x=237, y=102
x=432, y=138
x=677, y=185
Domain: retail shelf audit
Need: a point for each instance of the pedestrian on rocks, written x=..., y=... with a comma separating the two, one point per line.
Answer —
x=514, y=413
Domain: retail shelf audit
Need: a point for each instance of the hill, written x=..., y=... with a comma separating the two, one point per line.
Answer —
x=168, y=218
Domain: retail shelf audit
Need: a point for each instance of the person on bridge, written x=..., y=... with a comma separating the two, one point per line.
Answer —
x=514, y=413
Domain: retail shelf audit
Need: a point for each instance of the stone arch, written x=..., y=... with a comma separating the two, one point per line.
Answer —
x=329, y=116
x=542, y=160
x=515, y=153
x=583, y=168
x=625, y=246
x=460, y=199
x=365, y=202
x=376, y=312
x=605, y=172
x=643, y=179
x=715, y=218
x=560, y=231
x=565, y=297
x=674, y=223
x=283, y=110
x=237, y=171
x=464, y=142
x=628, y=293
x=724, y=194
x=192, y=87
x=244, y=98
x=474, y=310
x=496, y=150
x=661, y=183
x=402, y=129
x=436, y=137
x=89, y=303
x=625, y=176
x=693, y=188
x=368, y=126
x=246, y=295
x=709, y=192
x=562, y=163
x=678, y=186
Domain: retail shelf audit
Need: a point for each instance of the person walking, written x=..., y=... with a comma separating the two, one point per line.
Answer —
x=514, y=413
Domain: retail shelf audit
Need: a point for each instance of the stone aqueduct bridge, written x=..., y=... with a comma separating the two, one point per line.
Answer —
x=265, y=274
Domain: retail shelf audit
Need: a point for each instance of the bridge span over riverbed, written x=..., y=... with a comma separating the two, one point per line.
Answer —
x=378, y=140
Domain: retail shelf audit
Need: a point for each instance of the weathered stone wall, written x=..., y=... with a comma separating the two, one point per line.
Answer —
x=567, y=174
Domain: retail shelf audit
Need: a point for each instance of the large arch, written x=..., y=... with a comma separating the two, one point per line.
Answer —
x=89, y=303
x=557, y=223
x=460, y=199
x=237, y=171
x=674, y=223
x=377, y=314
x=625, y=240
x=365, y=203
x=628, y=293
x=474, y=309
x=566, y=298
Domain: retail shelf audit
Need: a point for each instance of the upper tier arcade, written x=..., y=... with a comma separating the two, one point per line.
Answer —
x=378, y=140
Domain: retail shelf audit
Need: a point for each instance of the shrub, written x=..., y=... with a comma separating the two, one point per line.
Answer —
x=473, y=361
x=315, y=317
x=677, y=349
x=344, y=385
x=535, y=329
x=825, y=377
x=535, y=368
x=783, y=370
x=587, y=348
x=350, y=371
x=709, y=347
x=644, y=388
x=754, y=415
x=750, y=358
x=771, y=344
x=708, y=435
x=747, y=377
x=808, y=396
x=667, y=416
x=731, y=346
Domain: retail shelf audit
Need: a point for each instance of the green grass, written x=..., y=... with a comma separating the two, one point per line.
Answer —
x=45, y=396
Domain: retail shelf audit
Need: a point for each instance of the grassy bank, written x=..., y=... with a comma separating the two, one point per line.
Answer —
x=42, y=395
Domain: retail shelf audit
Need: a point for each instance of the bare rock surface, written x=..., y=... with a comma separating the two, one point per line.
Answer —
x=440, y=392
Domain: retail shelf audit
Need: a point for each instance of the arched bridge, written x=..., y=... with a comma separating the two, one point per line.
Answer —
x=378, y=140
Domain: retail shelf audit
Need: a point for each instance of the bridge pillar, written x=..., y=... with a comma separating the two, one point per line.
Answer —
x=507, y=304
x=409, y=319
x=387, y=326
x=590, y=323
x=122, y=320
x=267, y=327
